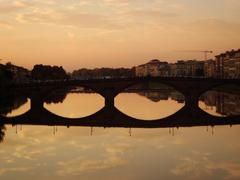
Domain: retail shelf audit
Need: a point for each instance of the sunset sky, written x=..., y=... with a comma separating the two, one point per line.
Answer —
x=114, y=33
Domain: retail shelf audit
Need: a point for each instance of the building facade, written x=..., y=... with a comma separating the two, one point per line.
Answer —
x=228, y=64
x=189, y=68
x=209, y=68
x=153, y=68
x=225, y=65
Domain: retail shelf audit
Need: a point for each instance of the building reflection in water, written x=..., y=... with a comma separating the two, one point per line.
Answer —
x=226, y=104
x=163, y=95
x=153, y=91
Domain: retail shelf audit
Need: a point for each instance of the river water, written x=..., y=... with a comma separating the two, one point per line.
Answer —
x=47, y=152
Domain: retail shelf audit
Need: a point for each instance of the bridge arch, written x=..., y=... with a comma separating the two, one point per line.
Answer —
x=76, y=105
x=215, y=85
x=147, y=80
x=156, y=99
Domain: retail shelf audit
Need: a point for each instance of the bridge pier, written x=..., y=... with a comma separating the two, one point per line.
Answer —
x=109, y=102
x=109, y=96
x=36, y=104
x=191, y=103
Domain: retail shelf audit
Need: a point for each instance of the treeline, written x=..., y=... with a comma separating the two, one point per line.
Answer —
x=103, y=72
x=10, y=73
x=46, y=72
x=5, y=74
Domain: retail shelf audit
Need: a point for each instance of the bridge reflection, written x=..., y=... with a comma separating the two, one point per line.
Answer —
x=226, y=104
x=191, y=88
x=109, y=115
x=112, y=117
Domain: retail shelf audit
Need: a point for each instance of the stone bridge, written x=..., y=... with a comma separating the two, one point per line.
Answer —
x=109, y=116
x=191, y=88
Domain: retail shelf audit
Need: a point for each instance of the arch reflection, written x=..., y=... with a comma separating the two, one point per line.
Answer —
x=221, y=101
x=149, y=101
x=14, y=105
x=76, y=102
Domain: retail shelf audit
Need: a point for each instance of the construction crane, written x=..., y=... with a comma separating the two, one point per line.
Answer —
x=206, y=52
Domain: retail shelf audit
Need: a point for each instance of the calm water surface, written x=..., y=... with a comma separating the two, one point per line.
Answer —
x=77, y=105
x=147, y=106
x=42, y=152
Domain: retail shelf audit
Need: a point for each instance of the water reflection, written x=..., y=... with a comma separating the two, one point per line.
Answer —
x=77, y=105
x=56, y=96
x=13, y=104
x=39, y=152
x=2, y=132
x=149, y=105
x=140, y=103
x=149, y=101
x=193, y=153
x=220, y=103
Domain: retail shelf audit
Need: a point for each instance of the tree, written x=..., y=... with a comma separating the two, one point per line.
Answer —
x=46, y=72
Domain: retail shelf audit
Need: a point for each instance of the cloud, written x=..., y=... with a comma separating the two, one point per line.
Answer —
x=214, y=27
x=14, y=170
x=4, y=24
x=111, y=157
x=70, y=18
x=71, y=35
x=232, y=4
x=200, y=165
x=118, y=148
x=15, y=6
x=8, y=9
x=78, y=166
x=152, y=14
x=120, y=1
x=214, y=23
x=81, y=14
x=191, y=167
x=231, y=168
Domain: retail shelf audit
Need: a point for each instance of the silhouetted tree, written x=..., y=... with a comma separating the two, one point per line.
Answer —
x=46, y=72
x=6, y=75
x=103, y=72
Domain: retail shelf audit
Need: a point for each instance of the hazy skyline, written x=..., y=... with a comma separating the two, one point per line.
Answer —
x=114, y=33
